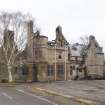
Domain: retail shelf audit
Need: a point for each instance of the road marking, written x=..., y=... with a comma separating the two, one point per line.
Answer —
x=6, y=95
x=68, y=96
x=38, y=97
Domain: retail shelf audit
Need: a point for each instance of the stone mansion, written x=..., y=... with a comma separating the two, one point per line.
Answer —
x=44, y=60
x=53, y=60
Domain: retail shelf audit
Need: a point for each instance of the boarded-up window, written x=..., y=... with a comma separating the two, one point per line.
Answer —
x=23, y=70
x=50, y=70
x=60, y=69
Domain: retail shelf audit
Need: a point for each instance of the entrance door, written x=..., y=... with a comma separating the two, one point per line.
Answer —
x=35, y=72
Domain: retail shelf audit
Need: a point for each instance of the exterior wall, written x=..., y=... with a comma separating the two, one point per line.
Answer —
x=58, y=56
x=42, y=72
x=3, y=72
x=54, y=56
x=104, y=71
x=95, y=59
x=77, y=67
x=40, y=52
x=47, y=57
x=52, y=62
x=95, y=64
x=56, y=52
x=39, y=59
x=68, y=71
x=30, y=74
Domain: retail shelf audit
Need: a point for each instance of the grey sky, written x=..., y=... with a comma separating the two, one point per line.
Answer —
x=77, y=17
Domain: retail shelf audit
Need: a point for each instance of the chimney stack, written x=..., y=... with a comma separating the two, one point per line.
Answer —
x=30, y=26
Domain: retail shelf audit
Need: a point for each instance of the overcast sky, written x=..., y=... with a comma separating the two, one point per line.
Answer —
x=77, y=17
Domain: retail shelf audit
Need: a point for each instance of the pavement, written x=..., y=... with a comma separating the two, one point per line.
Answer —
x=89, y=92
x=13, y=94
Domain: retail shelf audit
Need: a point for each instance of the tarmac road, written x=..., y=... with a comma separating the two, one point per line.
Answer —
x=19, y=95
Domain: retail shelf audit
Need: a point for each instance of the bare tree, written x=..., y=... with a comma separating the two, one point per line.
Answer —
x=13, y=38
x=84, y=41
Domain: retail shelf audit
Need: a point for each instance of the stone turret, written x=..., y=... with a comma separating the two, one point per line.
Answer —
x=30, y=26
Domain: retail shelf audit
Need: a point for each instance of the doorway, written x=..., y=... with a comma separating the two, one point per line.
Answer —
x=35, y=72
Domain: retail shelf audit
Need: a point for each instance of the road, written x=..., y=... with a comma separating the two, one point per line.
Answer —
x=93, y=90
x=19, y=95
x=13, y=96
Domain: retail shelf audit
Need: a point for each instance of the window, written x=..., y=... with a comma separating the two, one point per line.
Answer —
x=68, y=56
x=77, y=69
x=24, y=70
x=76, y=58
x=60, y=57
x=73, y=67
x=50, y=70
x=71, y=72
x=80, y=69
x=60, y=69
x=15, y=69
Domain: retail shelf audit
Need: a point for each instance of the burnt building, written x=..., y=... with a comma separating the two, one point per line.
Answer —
x=47, y=60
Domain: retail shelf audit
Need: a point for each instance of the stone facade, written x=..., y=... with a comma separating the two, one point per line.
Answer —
x=44, y=60
x=53, y=60
x=95, y=59
x=90, y=66
x=48, y=60
x=77, y=62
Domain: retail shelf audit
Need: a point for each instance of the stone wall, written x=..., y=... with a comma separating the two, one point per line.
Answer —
x=95, y=59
